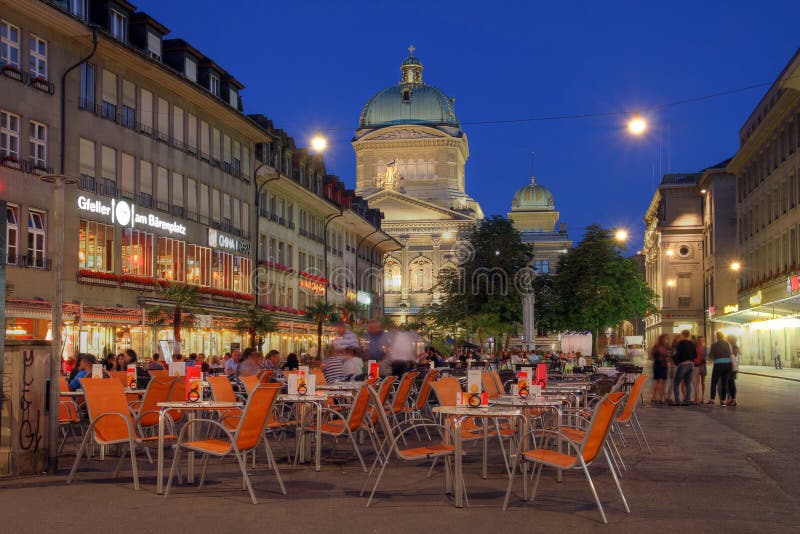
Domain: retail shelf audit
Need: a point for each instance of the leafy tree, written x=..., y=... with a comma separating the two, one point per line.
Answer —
x=321, y=312
x=182, y=298
x=484, y=284
x=595, y=287
x=257, y=323
x=353, y=311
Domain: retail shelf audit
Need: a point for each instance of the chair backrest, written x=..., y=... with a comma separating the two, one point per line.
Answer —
x=265, y=375
x=633, y=398
x=601, y=387
x=372, y=381
x=221, y=389
x=599, y=426
x=158, y=373
x=63, y=384
x=501, y=390
x=107, y=396
x=158, y=390
x=375, y=399
x=489, y=385
x=383, y=393
x=177, y=394
x=250, y=382
x=320, y=376
x=67, y=411
x=359, y=409
x=447, y=390
x=619, y=383
x=251, y=426
x=403, y=390
x=425, y=389
x=122, y=376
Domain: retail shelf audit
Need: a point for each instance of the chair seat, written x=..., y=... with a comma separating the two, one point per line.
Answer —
x=280, y=424
x=151, y=439
x=551, y=458
x=575, y=434
x=333, y=427
x=210, y=446
x=430, y=451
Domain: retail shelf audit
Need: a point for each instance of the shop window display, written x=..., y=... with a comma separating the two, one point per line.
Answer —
x=96, y=249
x=170, y=259
x=137, y=253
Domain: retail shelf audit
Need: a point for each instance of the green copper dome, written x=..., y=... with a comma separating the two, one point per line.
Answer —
x=409, y=102
x=533, y=197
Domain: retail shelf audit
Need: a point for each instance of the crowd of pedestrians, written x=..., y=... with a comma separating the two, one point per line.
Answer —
x=680, y=369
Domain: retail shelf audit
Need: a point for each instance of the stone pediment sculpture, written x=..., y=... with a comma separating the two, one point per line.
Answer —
x=405, y=133
x=390, y=178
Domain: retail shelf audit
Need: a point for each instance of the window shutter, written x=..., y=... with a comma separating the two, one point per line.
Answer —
x=128, y=94
x=109, y=87
x=87, y=157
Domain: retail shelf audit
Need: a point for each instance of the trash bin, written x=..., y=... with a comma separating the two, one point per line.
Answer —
x=24, y=417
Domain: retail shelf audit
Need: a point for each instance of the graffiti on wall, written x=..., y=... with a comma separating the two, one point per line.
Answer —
x=30, y=436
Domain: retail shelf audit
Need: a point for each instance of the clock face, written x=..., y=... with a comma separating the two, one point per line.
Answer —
x=123, y=213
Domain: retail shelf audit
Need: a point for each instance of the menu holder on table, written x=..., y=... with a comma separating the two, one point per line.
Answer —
x=541, y=375
x=474, y=381
x=373, y=368
x=97, y=370
x=177, y=369
x=301, y=383
x=130, y=376
x=473, y=400
x=523, y=384
x=194, y=384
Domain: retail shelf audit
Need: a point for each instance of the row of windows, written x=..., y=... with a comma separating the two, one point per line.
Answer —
x=773, y=258
x=11, y=134
x=164, y=258
x=410, y=168
x=155, y=186
x=770, y=206
x=775, y=152
x=36, y=254
x=11, y=46
x=420, y=275
x=137, y=108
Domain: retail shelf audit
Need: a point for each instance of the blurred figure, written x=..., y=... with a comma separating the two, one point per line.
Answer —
x=353, y=365
x=85, y=362
x=232, y=362
x=120, y=362
x=699, y=372
x=403, y=351
x=659, y=353
x=345, y=338
x=333, y=365
x=292, y=363
x=155, y=364
x=685, y=353
x=376, y=341
x=248, y=363
x=734, y=369
x=776, y=356
x=111, y=363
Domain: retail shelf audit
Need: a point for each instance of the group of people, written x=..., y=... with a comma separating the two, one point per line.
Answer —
x=680, y=366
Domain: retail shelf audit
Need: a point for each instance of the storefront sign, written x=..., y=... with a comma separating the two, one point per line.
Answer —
x=217, y=239
x=755, y=300
x=318, y=288
x=350, y=295
x=124, y=213
x=363, y=298
x=712, y=311
x=731, y=308
x=793, y=283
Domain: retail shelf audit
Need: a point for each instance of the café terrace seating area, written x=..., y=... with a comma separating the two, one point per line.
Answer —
x=524, y=430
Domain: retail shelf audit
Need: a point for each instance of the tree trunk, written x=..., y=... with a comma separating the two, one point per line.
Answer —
x=176, y=329
x=319, y=340
x=252, y=335
x=595, y=342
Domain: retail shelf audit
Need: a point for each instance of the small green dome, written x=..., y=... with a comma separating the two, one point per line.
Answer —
x=533, y=197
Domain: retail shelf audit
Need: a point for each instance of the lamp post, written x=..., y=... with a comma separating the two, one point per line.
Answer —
x=59, y=181
x=325, y=247
x=372, y=251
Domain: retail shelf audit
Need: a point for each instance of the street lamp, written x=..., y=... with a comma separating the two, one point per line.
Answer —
x=319, y=143
x=637, y=125
x=621, y=235
x=736, y=266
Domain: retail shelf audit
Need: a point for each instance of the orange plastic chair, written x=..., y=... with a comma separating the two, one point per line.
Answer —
x=383, y=392
x=158, y=390
x=222, y=391
x=266, y=375
x=400, y=400
x=501, y=389
x=320, y=376
x=245, y=438
x=421, y=403
x=489, y=385
x=629, y=417
x=111, y=423
x=583, y=452
x=68, y=415
x=339, y=425
x=250, y=382
x=390, y=445
x=158, y=373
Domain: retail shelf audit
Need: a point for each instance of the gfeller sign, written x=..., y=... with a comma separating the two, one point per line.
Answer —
x=123, y=213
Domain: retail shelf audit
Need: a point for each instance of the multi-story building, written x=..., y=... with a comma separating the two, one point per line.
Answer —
x=767, y=169
x=153, y=133
x=533, y=213
x=673, y=251
x=410, y=163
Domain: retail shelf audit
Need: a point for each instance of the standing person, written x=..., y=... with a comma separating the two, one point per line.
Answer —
x=659, y=354
x=345, y=338
x=671, y=368
x=776, y=356
x=403, y=352
x=685, y=352
x=376, y=342
x=699, y=373
x=720, y=355
x=734, y=369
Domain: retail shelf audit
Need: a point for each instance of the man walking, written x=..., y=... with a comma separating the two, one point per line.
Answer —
x=685, y=353
x=776, y=356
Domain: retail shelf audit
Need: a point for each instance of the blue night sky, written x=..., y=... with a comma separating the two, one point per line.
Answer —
x=314, y=64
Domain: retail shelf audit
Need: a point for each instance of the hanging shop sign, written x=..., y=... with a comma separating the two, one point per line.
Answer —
x=318, y=288
x=124, y=213
x=217, y=239
x=755, y=300
x=350, y=295
x=364, y=298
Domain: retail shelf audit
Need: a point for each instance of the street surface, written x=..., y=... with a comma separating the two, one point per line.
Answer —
x=712, y=469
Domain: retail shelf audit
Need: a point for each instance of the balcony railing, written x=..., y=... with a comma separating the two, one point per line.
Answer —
x=30, y=260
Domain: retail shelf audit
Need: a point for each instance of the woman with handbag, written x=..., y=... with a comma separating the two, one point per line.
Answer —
x=734, y=368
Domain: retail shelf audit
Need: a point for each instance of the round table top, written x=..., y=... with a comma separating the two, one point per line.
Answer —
x=482, y=411
x=79, y=392
x=340, y=386
x=316, y=397
x=508, y=400
x=199, y=404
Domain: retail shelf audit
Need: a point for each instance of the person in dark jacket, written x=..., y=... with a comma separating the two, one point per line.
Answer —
x=685, y=353
x=720, y=355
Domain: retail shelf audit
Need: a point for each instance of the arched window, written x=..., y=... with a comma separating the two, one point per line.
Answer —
x=392, y=280
x=420, y=274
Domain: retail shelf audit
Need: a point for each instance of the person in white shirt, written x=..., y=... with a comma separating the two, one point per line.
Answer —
x=353, y=364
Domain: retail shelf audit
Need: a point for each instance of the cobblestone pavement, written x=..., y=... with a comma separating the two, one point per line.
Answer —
x=712, y=469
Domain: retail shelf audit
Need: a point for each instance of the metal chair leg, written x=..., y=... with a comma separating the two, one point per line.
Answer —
x=242, y=464
x=616, y=481
x=594, y=491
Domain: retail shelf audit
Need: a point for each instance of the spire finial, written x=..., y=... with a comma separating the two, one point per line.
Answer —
x=411, y=49
x=533, y=166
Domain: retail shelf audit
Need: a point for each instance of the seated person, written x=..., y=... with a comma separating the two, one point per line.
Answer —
x=353, y=364
x=85, y=362
x=333, y=368
x=249, y=364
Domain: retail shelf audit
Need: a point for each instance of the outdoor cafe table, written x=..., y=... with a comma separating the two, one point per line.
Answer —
x=79, y=392
x=191, y=409
x=302, y=451
x=457, y=415
x=341, y=386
